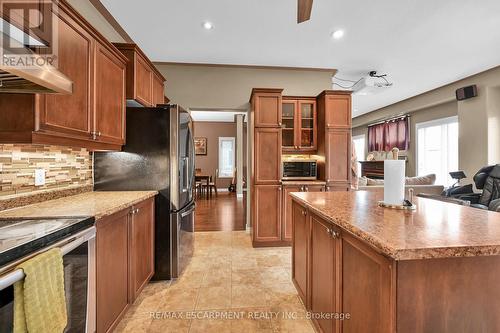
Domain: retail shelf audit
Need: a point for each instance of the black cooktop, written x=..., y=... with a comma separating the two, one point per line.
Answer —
x=20, y=237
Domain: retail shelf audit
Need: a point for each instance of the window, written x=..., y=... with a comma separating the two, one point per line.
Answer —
x=437, y=148
x=359, y=147
x=226, y=157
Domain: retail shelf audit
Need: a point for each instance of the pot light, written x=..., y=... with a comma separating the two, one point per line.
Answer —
x=208, y=25
x=338, y=34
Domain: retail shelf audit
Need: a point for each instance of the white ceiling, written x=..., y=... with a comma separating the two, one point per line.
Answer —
x=421, y=44
x=216, y=116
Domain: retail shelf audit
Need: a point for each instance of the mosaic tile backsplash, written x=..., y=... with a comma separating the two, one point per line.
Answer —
x=63, y=167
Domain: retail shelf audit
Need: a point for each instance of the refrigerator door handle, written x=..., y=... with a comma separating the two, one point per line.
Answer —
x=185, y=188
x=190, y=211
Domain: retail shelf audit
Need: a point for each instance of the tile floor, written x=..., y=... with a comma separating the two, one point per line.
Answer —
x=250, y=288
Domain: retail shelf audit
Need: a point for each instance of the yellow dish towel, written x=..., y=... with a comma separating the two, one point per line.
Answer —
x=39, y=300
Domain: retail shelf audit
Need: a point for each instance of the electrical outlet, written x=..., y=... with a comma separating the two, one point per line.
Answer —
x=39, y=177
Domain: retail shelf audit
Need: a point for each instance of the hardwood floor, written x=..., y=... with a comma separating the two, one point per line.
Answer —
x=222, y=213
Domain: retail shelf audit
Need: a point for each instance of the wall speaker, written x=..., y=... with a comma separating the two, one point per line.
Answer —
x=466, y=92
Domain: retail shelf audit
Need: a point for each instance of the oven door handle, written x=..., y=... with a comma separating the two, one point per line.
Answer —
x=17, y=275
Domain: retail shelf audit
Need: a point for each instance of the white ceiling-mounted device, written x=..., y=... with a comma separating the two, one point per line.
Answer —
x=367, y=85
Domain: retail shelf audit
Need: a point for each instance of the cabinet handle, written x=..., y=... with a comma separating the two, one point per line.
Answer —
x=335, y=234
x=304, y=213
x=329, y=231
x=279, y=124
x=279, y=188
x=306, y=189
x=137, y=210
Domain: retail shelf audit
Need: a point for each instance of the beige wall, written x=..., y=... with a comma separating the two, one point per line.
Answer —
x=229, y=87
x=212, y=131
x=479, y=118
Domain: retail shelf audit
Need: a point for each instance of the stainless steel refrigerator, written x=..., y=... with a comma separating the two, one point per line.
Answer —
x=158, y=155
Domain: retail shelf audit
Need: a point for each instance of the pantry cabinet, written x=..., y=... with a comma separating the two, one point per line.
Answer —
x=93, y=116
x=335, y=135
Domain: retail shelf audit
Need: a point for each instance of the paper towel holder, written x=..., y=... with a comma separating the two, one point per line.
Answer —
x=408, y=205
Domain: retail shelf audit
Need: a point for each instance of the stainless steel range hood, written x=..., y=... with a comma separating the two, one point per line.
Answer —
x=38, y=77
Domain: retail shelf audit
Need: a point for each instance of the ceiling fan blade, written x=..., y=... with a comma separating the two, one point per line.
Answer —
x=304, y=10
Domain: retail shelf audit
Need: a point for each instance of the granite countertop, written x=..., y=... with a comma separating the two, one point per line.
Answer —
x=96, y=204
x=303, y=182
x=435, y=230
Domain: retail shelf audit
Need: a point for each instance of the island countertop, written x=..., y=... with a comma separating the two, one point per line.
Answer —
x=434, y=230
x=96, y=204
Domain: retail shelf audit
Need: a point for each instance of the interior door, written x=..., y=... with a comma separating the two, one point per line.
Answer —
x=186, y=159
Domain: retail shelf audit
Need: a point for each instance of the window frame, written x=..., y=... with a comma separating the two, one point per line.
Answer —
x=221, y=139
x=431, y=123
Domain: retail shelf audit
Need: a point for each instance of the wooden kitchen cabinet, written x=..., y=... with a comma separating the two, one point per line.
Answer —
x=92, y=116
x=266, y=104
x=335, y=136
x=141, y=246
x=267, y=161
x=124, y=261
x=112, y=269
x=324, y=267
x=145, y=84
x=287, y=215
x=299, y=123
x=300, y=251
x=267, y=220
x=338, y=157
x=110, y=97
x=334, y=272
x=367, y=285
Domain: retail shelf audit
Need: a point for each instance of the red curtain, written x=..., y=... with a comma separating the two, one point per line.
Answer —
x=390, y=134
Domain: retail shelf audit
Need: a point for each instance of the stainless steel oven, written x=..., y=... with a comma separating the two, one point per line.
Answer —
x=79, y=283
x=299, y=169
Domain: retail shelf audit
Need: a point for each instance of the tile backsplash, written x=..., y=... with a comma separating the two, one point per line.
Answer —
x=64, y=167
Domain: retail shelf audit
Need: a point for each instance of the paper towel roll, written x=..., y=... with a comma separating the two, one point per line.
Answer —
x=394, y=182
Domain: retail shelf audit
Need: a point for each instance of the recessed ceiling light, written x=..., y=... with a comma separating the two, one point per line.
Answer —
x=338, y=34
x=208, y=25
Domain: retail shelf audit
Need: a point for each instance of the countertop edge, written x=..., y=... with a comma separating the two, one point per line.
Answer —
x=405, y=254
x=123, y=206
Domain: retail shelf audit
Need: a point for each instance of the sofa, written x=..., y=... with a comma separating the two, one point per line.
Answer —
x=423, y=184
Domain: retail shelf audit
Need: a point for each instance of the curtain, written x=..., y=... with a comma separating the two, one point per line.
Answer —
x=389, y=134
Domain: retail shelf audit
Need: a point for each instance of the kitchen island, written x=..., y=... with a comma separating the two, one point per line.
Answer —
x=435, y=269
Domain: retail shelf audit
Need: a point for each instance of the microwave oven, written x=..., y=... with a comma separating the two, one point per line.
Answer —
x=299, y=169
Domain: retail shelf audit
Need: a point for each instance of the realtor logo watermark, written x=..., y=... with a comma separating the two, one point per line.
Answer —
x=29, y=33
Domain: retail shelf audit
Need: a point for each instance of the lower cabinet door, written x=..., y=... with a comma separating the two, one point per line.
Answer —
x=141, y=246
x=112, y=269
x=287, y=211
x=324, y=284
x=367, y=283
x=267, y=220
x=300, y=252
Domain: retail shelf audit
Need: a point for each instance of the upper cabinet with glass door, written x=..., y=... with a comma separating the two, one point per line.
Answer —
x=299, y=129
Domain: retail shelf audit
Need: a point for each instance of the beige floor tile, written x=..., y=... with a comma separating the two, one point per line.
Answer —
x=133, y=325
x=179, y=299
x=210, y=326
x=218, y=277
x=214, y=298
x=245, y=276
x=253, y=320
x=239, y=263
x=169, y=326
x=248, y=295
x=274, y=275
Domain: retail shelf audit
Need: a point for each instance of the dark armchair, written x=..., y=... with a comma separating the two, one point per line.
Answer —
x=488, y=180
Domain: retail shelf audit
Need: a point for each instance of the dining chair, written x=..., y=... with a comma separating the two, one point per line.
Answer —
x=212, y=184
